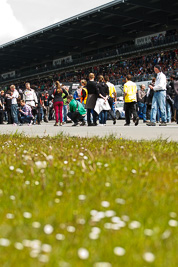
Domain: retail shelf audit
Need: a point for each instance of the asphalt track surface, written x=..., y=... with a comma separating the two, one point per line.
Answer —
x=132, y=132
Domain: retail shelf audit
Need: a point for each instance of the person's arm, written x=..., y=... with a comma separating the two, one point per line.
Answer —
x=66, y=93
x=161, y=83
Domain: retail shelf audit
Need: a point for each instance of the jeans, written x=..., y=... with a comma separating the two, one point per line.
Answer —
x=25, y=118
x=159, y=101
x=89, y=112
x=14, y=108
x=142, y=110
x=65, y=113
x=103, y=116
x=168, y=111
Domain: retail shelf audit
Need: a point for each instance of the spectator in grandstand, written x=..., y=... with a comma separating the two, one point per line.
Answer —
x=159, y=97
x=84, y=93
x=76, y=111
x=112, y=98
x=176, y=99
x=26, y=113
x=172, y=94
x=142, y=103
x=8, y=102
x=91, y=100
x=65, y=104
x=102, y=105
x=30, y=98
x=58, y=102
x=130, y=98
x=14, y=105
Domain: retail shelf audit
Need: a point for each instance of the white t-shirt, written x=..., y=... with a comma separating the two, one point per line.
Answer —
x=15, y=95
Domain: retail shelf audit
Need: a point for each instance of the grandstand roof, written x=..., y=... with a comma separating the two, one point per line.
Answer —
x=109, y=24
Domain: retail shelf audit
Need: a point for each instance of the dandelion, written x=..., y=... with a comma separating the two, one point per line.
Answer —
x=46, y=248
x=11, y=168
x=134, y=171
x=96, y=230
x=93, y=236
x=72, y=172
x=10, y=216
x=81, y=221
x=50, y=157
x=4, y=242
x=119, y=251
x=25, y=151
x=18, y=246
x=41, y=164
x=115, y=219
x=108, y=226
x=36, y=225
x=65, y=162
x=48, y=229
x=34, y=254
x=12, y=197
x=125, y=218
x=81, y=154
x=59, y=193
x=82, y=197
x=27, y=215
x=149, y=257
x=19, y=170
x=173, y=223
x=93, y=212
x=37, y=182
x=85, y=157
x=27, y=182
x=110, y=213
x=60, y=237
x=74, y=160
x=134, y=225
x=102, y=264
x=43, y=258
x=83, y=253
x=148, y=232
x=71, y=229
x=107, y=184
x=57, y=200
x=173, y=214
x=120, y=201
x=99, y=164
x=106, y=165
x=166, y=234
x=105, y=204
x=26, y=243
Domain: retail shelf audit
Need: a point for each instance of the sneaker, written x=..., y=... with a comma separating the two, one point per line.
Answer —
x=105, y=124
x=95, y=124
x=114, y=121
x=126, y=124
x=14, y=124
x=90, y=124
x=163, y=124
x=75, y=124
x=100, y=124
x=151, y=124
x=56, y=124
x=137, y=121
x=61, y=124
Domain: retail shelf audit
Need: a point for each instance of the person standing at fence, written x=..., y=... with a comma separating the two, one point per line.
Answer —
x=159, y=97
x=130, y=99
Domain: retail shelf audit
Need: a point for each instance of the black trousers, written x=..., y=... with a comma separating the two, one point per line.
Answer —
x=75, y=117
x=130, y=108
x=1, y=116
x=9, y=115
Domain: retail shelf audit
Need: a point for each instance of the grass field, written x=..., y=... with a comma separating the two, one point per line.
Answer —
x=88, y=202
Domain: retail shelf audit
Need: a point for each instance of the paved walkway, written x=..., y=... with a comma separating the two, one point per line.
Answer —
x=140, y=132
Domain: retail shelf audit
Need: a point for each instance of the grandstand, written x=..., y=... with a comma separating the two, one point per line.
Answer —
x=117, y=31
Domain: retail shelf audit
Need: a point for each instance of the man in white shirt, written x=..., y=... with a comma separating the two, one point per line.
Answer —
x=14, y=106
x=159, y=97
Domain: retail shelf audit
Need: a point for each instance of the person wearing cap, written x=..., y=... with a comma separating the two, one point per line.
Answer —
x=159, y=97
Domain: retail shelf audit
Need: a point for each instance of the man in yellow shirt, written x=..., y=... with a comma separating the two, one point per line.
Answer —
x=130, y=90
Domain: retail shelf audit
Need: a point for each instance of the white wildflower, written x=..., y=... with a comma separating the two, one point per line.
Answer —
x=60, y=237
x=11, y=168
x=149, y=257
x=48, y=229
x=119, y=251
x=27, y=215
x=105, y=204
x=83, y=253
x=134, y=225
x=41, y=164
x=173, y=223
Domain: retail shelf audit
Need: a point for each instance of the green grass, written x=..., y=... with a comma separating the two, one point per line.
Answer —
x=144, y=175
